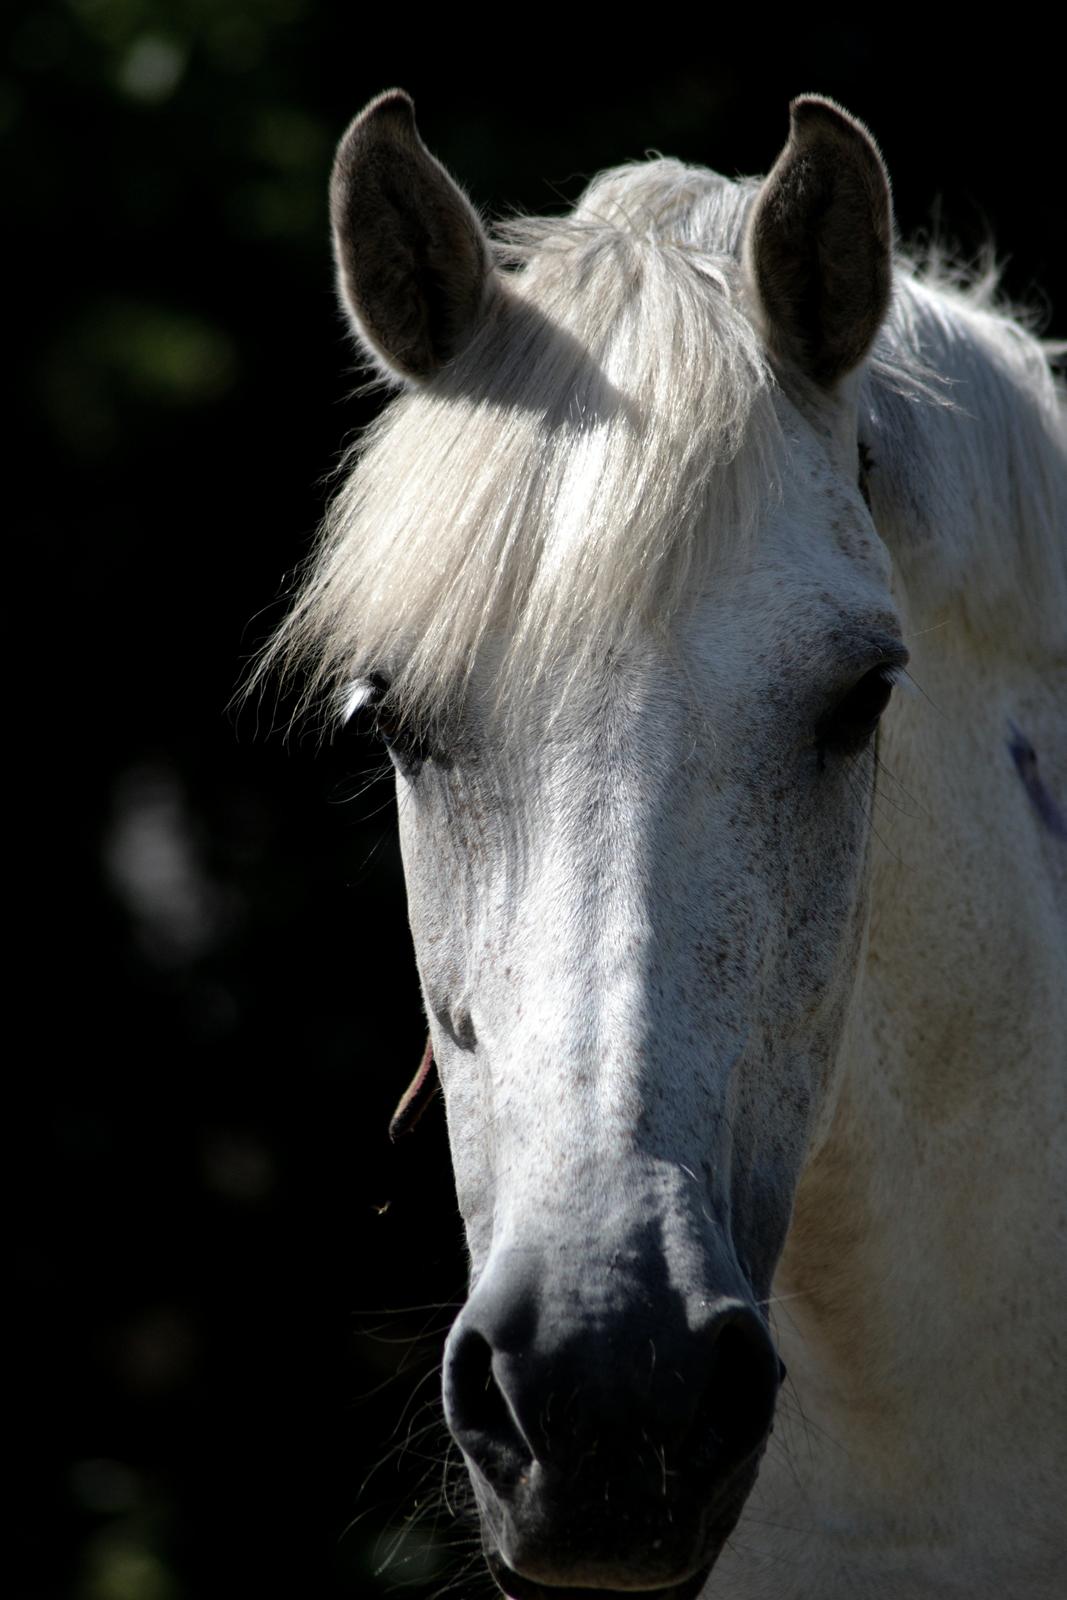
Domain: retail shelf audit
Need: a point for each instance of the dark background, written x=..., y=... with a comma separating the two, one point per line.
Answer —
x=227, y=1285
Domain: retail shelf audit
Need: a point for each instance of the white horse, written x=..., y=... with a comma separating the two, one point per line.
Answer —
x=707, y=584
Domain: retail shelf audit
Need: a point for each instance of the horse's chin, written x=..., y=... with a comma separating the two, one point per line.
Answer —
x=578, y=1560
x=515, y=1587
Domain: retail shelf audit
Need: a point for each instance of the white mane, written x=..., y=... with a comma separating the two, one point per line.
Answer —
x=969, y=487
x=555, y=484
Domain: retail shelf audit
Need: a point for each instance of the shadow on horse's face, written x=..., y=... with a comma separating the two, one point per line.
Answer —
x=637, y=887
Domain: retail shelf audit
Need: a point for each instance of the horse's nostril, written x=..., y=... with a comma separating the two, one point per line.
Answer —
x=475, y=1388
x=740, y=1390
x=478, y=1414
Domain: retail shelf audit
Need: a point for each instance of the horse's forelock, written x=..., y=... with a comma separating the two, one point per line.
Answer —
x=556, y=484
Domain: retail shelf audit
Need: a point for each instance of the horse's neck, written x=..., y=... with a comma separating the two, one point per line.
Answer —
x=921, y=1294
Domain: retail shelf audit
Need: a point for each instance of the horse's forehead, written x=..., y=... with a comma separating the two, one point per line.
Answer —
x=810, y=596
x=816, y=537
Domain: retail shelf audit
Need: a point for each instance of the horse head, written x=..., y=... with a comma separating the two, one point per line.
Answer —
x=629, y=650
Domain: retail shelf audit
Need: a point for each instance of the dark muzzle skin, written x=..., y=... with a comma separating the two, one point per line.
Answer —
x=613, y=1428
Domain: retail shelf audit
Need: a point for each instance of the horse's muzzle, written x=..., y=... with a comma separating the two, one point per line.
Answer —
x=610, y=1448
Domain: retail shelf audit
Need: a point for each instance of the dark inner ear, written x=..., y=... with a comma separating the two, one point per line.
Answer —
x=412, y=258
x=819, y=243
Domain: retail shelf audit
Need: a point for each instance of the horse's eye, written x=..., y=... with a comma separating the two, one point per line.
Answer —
x=369, y=711
x=363, y=704
x=849, y=726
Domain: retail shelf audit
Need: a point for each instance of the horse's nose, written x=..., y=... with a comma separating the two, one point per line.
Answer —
x=682, y=1391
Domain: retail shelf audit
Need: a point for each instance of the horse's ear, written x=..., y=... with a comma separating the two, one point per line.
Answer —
x=413, y=262
x=819, y=243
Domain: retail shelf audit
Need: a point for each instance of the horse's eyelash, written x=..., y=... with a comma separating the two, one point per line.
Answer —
x=356, y=697
x=896, y=673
